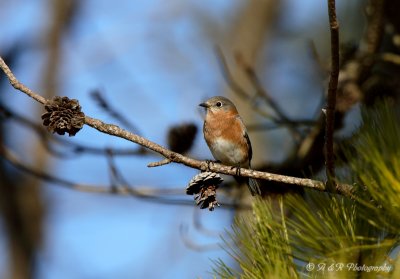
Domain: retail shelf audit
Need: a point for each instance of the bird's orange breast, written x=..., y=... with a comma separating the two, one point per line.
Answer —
x=224, y=133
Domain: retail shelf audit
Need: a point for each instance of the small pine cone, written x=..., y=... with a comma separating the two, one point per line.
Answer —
x=202, y=179
x=63, y=115
x=204, y=188
x=181, y=137
x=207, y=198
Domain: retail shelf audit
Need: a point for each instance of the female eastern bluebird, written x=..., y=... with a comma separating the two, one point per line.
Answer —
x=226, y=136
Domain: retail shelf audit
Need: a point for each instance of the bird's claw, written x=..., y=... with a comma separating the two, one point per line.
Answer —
x=209, y=162
x=237, y=170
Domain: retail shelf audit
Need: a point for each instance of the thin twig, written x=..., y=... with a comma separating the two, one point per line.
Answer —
x=159, y=163
x=260, y=91
x=72, y=148
x=322, y=69
x=228, y=75
x=391, y=58
x=104, y=104
x=280, y=119
x=332, y=90
x=184, y=232
x=176, y=157
x=263, y=94
x=236, y=88
x=376, y=23
x=279, y=124
x=198, y=225
x=114, y=181
x=19, y=86
x=155, y=195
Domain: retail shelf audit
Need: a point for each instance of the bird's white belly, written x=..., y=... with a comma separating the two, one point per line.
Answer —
x=227, y=152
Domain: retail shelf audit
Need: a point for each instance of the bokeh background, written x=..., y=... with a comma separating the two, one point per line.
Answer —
x=154, y=62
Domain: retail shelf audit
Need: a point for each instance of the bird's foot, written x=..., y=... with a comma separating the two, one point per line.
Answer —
x=237, y=170
x=209, y=162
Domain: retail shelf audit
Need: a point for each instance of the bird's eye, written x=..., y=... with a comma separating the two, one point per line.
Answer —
x=218, y=104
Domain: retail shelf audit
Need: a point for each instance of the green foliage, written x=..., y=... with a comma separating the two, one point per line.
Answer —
x=377, y=166
x=261, y=242
x=321, y=235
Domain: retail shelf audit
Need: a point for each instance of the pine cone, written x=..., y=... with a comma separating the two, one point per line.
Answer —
x=207, y=198
x=63, y=115
x=204, y=188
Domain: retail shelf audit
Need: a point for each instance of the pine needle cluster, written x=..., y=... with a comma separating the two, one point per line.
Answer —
x=321, y=235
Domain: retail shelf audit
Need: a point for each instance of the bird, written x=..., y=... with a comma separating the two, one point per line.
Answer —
x=227, y=138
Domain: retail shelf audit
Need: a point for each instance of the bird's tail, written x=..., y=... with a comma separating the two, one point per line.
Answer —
x=252, y=184
x=253, y=187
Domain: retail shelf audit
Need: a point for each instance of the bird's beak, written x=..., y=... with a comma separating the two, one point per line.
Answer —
x=204, y=105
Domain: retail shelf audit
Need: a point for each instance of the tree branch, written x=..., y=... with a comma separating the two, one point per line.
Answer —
x=73, y=148
x=155, y=195
x=176, y=157
x=332, y=89
x=19, y=86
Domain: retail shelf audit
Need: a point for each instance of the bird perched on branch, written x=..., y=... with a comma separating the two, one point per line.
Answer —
x=227, y=137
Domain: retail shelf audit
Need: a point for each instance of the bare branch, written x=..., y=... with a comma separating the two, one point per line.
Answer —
x=104, y=104
x=72, y=148
x=376, y=23
x=19, y=86
x=228, y=75
x=176, y=157
x=278, y=124
x=332, y=89
x=236, y=88
x=159, y=163
x=155, y=195
x=262, y=93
